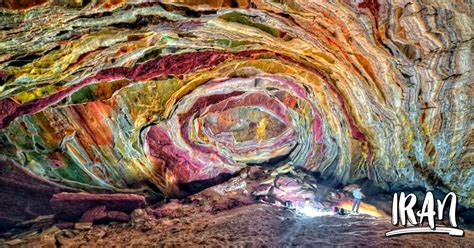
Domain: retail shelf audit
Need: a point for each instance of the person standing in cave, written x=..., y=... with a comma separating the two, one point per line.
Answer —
x=358, y=195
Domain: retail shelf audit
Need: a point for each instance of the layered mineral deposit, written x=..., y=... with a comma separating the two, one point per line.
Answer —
x=166, y=98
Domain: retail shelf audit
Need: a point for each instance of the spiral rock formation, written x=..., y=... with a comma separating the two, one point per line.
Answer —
x=140, y=96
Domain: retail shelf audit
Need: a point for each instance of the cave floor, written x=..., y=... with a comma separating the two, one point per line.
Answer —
x=249, y=226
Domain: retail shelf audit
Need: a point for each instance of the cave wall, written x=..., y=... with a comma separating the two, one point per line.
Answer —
x=117, y=96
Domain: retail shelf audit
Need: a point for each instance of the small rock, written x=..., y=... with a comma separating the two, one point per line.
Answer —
x=166, y=222
x=65, y=225
x=52, y=230
x=147, y=226
x=13, y=242
x=118, y=216
x=139, y=214
x=93, y=214
x=26, y=235
x=255, y=173
x=101, y=233
x=95, y=234
x=138, y=217
x=40, y=220
x=83, y=226
x=68, y=234
x=243, y=175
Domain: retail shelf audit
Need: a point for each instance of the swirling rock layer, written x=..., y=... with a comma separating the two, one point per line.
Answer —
x=168, y=98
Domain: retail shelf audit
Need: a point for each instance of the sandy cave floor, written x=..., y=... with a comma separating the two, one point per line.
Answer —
x=249, y=226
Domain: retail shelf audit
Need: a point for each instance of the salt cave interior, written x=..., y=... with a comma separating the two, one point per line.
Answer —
x=241, y=123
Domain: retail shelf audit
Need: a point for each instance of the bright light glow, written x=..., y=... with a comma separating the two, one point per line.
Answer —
x=364, y=208
x=310, y=211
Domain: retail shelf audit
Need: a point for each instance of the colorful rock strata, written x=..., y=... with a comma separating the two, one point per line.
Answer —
x=167, y=98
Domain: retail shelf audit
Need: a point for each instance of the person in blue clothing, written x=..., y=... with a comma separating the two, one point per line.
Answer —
x=357, y=193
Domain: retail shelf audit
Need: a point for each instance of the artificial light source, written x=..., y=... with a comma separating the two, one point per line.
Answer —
x=310, y=211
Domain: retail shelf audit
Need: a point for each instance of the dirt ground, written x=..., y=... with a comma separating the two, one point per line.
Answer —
x=255, y=225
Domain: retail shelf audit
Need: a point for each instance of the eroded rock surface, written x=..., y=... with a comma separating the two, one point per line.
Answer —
x=167, y=99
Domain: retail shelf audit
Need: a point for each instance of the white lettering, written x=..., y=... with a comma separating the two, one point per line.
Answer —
x=428, y=210
x=402, y=209
x=452, y=209
x=405, y=209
